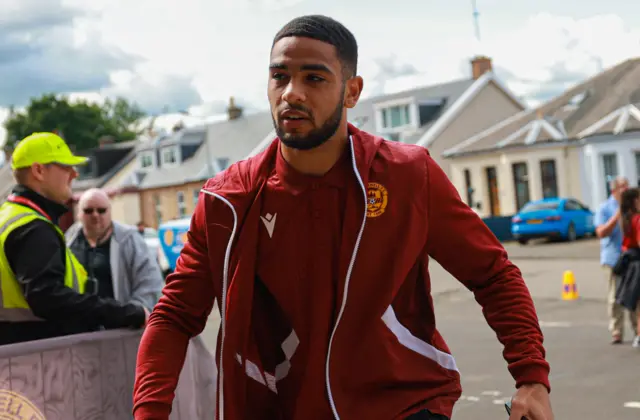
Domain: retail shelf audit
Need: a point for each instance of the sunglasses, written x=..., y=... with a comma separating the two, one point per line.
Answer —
x=90, y=210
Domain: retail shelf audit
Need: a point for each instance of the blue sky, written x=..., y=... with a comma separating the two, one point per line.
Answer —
x=194, y=54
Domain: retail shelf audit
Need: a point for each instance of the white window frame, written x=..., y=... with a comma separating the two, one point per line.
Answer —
x=182, y=206
x=414, y=117
x=196, y=195
x=158, y=207
x=176, y=154
x=147, y=154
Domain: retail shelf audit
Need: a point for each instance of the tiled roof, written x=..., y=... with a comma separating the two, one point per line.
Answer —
x=229, y=141
x=572, y=115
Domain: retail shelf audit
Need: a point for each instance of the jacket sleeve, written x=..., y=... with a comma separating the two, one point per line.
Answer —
x=180, y=314
x=41, y=275
x=460, y=241
x=143, y=271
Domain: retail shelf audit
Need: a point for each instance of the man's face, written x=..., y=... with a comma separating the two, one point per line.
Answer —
x=621, y=186
x=307, y=91
x=95, y=214
x=55, y=180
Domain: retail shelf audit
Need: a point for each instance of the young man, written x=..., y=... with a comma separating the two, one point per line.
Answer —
x=317, y=250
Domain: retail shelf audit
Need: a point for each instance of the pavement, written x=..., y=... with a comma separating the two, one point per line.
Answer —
x=590, y=378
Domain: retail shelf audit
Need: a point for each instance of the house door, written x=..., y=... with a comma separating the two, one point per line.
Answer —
x=494, y=197
x=521, y=184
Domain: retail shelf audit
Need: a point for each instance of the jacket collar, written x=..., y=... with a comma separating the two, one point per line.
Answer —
x=53, y=209
x=365, y=147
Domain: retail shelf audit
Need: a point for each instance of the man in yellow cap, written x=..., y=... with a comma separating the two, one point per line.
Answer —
x=45, y=292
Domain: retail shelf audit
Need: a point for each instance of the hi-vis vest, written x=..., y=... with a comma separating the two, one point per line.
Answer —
x=13, y=305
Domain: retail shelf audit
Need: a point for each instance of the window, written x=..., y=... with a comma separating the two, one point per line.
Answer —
x=169, y=155
x=395, y=116
x=393, y=136
x=521, y=184
x=429, y=110
x=610, y=168
x=182, y=207
x=547, y=205
x=638, y=169
x=549, y=178
x=468, y=188
x=223, y=163
x=196, y=194
x=146, y=159
x=158, y=208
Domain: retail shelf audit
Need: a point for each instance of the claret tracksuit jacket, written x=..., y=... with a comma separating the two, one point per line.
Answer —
x=324, y=290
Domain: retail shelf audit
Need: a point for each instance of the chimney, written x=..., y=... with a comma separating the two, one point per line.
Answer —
x=104, y=140
x=233, y=111
x=480, y=65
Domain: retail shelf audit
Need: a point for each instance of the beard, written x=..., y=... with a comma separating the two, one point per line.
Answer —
x=316, y=137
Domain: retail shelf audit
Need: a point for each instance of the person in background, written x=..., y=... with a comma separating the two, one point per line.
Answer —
x=141, y=227
x=43, y=284
x=630, y=225
x=607, y=222
x=114, y=253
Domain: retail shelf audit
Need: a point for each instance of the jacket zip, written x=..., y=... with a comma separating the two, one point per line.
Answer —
x=223, y=304
x=225, y=281
x=346, y=284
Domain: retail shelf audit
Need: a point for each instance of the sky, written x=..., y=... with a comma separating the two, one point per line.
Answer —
x=177, y=55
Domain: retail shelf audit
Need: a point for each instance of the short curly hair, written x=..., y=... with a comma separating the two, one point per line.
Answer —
x=325, y=29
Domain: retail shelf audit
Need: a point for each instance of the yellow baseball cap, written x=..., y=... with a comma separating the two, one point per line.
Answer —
x=44, y=148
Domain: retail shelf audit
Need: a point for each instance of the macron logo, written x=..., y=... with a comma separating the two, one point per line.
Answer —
x=269, y=222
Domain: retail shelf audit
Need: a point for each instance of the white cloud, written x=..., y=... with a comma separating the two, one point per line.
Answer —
x=208, y=51
x=551, y=53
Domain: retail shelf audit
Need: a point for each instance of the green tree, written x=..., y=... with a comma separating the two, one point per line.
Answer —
x=81, y=123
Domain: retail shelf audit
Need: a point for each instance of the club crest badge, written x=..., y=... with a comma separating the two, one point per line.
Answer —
x=377, y=199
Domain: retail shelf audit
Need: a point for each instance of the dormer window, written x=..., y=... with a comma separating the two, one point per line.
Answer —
x=395, y=116
x=169, y=155
x=146, y=159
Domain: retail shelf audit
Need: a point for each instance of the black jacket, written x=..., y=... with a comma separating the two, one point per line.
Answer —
x=628, y=287
x=36, y=254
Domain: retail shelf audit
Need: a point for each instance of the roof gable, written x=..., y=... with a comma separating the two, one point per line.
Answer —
x=574, y=114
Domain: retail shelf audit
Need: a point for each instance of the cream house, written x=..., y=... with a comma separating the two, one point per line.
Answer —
x=568, y=147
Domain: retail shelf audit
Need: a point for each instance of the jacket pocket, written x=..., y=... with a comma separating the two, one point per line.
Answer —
x=411, y=342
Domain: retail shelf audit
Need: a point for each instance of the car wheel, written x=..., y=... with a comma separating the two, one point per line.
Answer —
x=571, y=233
x=523, y=241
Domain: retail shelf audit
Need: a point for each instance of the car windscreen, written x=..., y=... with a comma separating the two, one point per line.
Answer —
x=540, y=206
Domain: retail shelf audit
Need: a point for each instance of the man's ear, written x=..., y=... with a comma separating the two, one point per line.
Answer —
x=353, y=90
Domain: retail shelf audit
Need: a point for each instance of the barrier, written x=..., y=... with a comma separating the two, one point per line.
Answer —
x=90, y=376
x=500, y=226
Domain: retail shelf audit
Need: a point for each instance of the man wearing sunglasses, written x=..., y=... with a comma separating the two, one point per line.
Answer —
x=44, y=291
x=115, y=254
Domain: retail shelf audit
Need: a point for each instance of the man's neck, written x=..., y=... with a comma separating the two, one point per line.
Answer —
x=96, y=238
x=316, y=161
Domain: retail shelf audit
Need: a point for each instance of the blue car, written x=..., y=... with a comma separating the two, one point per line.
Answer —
x=555, y=218
x=173, y=235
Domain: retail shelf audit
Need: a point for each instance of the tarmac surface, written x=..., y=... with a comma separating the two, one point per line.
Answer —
x=590, y=378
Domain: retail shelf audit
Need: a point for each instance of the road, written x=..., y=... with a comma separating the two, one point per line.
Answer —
x=590, y=378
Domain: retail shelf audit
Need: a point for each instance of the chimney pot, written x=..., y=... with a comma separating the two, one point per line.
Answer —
x=480, y=65
x=104, y=140
x=233, y=111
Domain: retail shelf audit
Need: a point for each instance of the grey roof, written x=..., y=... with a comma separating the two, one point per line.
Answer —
x=229, y=141
x=363, y=114
x=572, y=115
